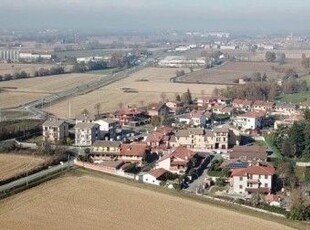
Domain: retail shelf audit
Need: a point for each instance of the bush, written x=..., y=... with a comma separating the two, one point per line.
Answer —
x=221, y=182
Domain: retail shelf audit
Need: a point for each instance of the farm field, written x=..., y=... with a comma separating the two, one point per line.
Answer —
x=145, y=87
x=22, y=91
x=16, y=67
x=231, y=71
x=97, y=203
x=12, y=164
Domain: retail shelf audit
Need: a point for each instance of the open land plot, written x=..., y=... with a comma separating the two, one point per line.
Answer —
x=13, y=164
x=11, y=68
x=22, y=91
x=88, y=202
x=228, y=72
x=146, y=86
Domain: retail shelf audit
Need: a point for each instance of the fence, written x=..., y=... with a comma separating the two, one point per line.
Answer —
x=103, y=169
x=28, y=179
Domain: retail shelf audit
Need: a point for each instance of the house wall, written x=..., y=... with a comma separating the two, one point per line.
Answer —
x=147, y=178
x=165, y=164
x=239, y=184
x=86, y=137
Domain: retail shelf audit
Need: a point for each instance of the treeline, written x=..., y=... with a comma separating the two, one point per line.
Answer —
x=15, y=129
x=258, y=87
x=38, y=73
x=83, y=67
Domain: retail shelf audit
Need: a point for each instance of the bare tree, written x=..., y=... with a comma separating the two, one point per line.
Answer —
x=85, y=112
x=120, y=105
x=163, y=96
x=97, y=107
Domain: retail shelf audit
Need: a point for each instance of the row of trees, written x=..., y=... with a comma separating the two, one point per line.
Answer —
x=83, y=67
x=272, y=57
x=17, y=75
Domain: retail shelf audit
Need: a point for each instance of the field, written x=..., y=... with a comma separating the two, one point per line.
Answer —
x=231, y=71
x=145, y=86
x=11, y=164
x=88, y=202
x=21, y=91
x=15, y=67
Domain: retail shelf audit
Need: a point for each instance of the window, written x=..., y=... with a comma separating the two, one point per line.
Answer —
x=266, y=176
x=241, y=178
x=266, y=185
x=240, y=186
x=259, y=176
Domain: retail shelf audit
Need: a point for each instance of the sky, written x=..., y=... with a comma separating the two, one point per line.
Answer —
x=236, y=16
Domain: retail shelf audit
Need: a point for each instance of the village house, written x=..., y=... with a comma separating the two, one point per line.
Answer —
x=242, y=105
x=108, y=127
x=159, y=137
x=155, y=176
x=177, y=161
x=55, y=131
x=252, y=180
x=250, y=120
x=105, y=151
x=222, y=110
x=195, y=118
x=260, y=105
x=199, y=138
x=160, y=109
x=128, y=115
x=249, y=153
x=285, y=108
x=133, y=152
x=86, y=133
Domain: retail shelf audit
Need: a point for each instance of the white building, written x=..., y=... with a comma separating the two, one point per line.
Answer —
x=154, y=176
x=9, y=54
x=181, y=61
x=108, y=127
x=86, y=133
x=250, y=120
x=55, y=130
x=34, y=56
x=251, y=180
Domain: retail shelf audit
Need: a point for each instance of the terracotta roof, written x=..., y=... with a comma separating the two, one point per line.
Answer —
x=253, y=114
x=157, y=172
x=249, y=153
x=133, y=149
x=112, y=164
x=154, y=137
x=259, y=190
x=254, y=170
x=181, y=152
x=99, y=143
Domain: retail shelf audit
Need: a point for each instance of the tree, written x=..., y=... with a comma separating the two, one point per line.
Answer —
x=270, y=56
x=163, y=96
x=85, y=112
x=281, y=58
x=178, y=97
x=187, y=97
x=179, y=73
x=287, y=148
x=120, y=105
x=297, y=138
x=306, y=151
x=156, y=121
x=305, y=62
x=299, y=209
x=97, y=107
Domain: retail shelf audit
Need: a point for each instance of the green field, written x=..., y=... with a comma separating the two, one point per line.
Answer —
x=302, y=97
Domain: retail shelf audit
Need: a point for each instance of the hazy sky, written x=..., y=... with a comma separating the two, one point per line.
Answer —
x=152, y=15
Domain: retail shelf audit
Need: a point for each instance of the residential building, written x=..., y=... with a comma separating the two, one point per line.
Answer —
x=260, y=105
x=222, y=110
x=108, y=127
x=252, y=180
x=134, y=152
x=195, y=118
x=85, y=118
x=86, y=133
x=288, y=122
x=160, y=109
x=155, y=176
x=249, y=153
x=242, y=105
x=55, y=131
x=285, y=108
x=250, y=120
x=177, y=161
x=128, y=115
x=105, y=150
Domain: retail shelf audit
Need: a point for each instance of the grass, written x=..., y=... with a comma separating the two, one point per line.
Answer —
x=102, y=71
x=229, y=206
x=260, y=143
x=296, y=97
